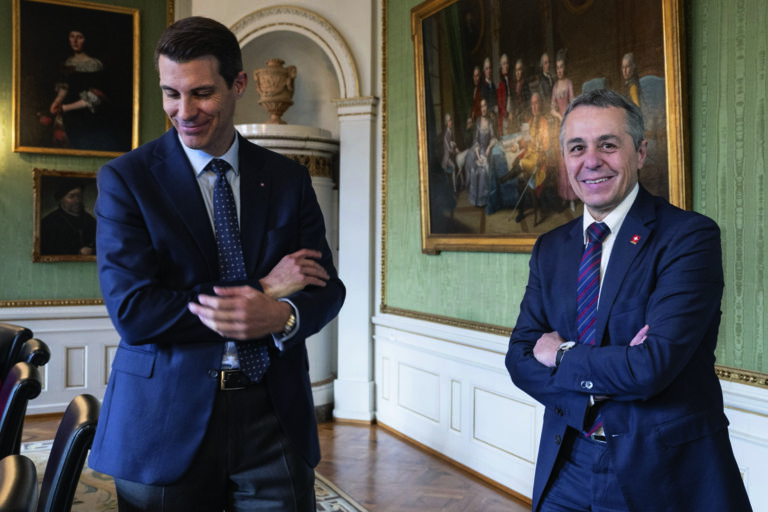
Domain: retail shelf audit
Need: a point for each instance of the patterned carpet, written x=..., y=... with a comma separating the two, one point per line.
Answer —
x=96, y=491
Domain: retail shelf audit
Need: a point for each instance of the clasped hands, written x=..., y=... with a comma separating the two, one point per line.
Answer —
x=243, y=312
x=547, y=345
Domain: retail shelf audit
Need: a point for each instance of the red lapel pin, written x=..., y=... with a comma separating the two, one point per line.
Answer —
x=635, y=239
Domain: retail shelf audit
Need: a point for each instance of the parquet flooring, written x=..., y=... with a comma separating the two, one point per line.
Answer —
x=384, y=473
x=380, y=470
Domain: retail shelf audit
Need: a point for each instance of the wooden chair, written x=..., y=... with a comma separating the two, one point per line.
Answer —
x=21, y=385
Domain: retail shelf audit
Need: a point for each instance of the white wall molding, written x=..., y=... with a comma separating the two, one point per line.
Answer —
x=448, y=389
x=52, y=313
x=82, y=342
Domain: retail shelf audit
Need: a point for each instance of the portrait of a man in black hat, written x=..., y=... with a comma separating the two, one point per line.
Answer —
x=69, y=229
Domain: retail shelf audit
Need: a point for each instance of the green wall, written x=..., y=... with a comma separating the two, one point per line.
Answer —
x=728, y=63
x=21, y=281
x=727, y=55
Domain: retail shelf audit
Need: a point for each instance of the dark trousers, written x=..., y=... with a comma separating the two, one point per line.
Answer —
x=584, y=479
x=244, y=463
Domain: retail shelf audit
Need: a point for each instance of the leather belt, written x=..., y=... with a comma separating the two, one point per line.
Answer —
x=232, y=380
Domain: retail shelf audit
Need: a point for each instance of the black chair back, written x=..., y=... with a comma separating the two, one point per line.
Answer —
x=21, y=385
x=11, y=339
x=68, y=453
x=18, y=484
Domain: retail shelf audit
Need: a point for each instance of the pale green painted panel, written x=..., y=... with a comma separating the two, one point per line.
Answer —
x=728, y=88
x=20, y=279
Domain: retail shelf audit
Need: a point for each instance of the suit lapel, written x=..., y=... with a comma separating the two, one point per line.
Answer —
x=574, y=248
x=633, y=235
x=255, y=185
x=176, y=177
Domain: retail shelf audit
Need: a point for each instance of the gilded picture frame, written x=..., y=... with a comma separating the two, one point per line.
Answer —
x=492, y=180
x=75, y=78
x=63, y=218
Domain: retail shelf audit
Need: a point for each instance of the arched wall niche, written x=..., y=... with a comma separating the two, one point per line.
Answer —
x=311, y=25
x=353, y=387
x=316, y=85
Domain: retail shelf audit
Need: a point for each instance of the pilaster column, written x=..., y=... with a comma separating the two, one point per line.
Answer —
x=353, y=388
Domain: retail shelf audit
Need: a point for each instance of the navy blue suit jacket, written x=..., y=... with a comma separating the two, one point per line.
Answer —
x=156, y=253
x=667, y=432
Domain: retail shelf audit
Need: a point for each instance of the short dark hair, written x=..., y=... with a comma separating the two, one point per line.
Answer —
x=196, y=37
x=605, y=98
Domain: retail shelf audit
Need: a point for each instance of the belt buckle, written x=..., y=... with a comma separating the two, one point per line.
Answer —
x=600, y=438
x=227, y=384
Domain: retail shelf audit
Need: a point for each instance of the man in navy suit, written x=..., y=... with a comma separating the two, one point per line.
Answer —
x=183, y=427
x=633, y=421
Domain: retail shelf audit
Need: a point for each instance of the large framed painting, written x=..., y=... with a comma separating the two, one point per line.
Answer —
x=64, y=223
x=493, y=78
x=76, y=77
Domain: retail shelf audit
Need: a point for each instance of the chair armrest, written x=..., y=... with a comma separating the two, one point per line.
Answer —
x=35, y=352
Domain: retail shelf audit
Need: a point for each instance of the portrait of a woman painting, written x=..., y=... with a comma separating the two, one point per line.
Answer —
x=74, y=80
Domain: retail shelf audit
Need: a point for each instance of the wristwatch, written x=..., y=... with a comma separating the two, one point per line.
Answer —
x=290, y=324
x=562, y=349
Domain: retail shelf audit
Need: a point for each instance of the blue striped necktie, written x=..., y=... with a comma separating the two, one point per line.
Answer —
x=588, y=289
x=254, y=357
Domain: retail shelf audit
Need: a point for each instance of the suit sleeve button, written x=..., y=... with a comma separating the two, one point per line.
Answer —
x=558, y=439
x=214, y=374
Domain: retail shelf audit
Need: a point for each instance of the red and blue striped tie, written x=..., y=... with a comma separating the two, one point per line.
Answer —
x=588, y=289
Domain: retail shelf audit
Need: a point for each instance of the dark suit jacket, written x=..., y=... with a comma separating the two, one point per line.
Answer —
x=156, y=253
x=667, y=432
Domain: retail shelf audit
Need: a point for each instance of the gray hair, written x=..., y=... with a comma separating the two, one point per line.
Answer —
x=605, y=98
x=629, y=57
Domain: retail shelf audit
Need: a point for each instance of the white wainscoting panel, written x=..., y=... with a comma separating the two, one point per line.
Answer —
x=505, y=424
x=82, y=342
x=448, y=389
x=426, y=402
x=747, y=409
x=455, y=405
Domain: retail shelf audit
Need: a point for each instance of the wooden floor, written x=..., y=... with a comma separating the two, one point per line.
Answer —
x=379, y=469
